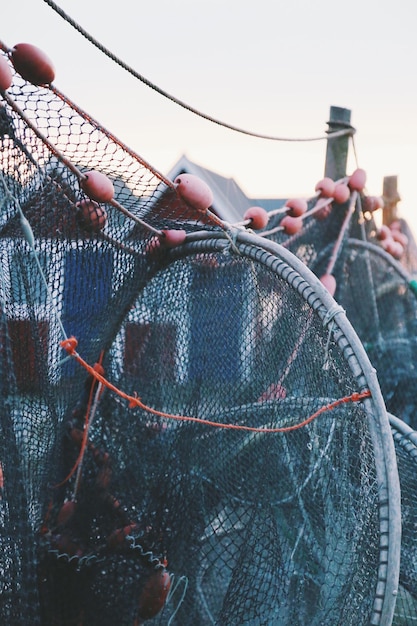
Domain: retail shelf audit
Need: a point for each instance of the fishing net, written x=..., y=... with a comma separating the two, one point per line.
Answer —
x=405, y=439
x=321, y=226
x=379, y=297
x=189, y=436
x=61, y=274
x=409, y=259
x=258, y=355
x=378, y=293
x=377, y=290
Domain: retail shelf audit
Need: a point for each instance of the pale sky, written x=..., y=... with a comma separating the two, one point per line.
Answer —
x=268, y=66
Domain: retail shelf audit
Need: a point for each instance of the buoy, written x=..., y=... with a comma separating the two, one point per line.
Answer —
x=402, y=238
x=329, y=281
x=291, y=225
x=324, y=212
x=119, y=536
x=326, y=187
x=6, y=76
x=387, y=244
x=92, y=216
x=154, y=594
x=173, y=238
x=384, y=232
x=397, y=249
x=32, y=64
x=373, y=203
x=258, y=216
x=275, y=391
x=341, y=193
x=66, y=512
x=395, y=225
x=97, y=186
x=357, y=180
x=169, y=239
x=296, y=207
x=394, y=248
x=194, y=191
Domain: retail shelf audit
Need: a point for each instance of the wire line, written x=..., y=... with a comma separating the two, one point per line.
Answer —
x=339, y=133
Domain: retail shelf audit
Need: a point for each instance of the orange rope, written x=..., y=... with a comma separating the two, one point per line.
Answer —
x=70, y=346
x=86, y=425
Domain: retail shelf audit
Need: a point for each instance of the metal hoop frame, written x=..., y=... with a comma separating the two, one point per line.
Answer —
x=286, y=265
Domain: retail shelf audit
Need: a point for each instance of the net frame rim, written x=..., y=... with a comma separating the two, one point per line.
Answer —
x=405, y=438
x=299, y=277
x=406, y=433
x=372, y=247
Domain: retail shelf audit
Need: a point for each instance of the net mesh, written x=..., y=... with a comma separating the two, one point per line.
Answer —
x=240, y=469
x=61, y=276
x=321, y=226
x=381, y=304
x=405, y=440
x=377, y=291
x=268, y=369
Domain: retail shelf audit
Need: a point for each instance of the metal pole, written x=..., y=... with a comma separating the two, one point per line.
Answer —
x=391, y=198
x=337, y=148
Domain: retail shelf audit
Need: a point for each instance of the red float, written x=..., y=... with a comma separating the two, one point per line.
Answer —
x=296, y=207
x=291, y=225
x=154, y=594
x=341, y=193
x=326, y=187
x=6, y=76
x=32, y=64
x=329, y=281
x=97, y=186
x=173, y=238
x=258, y=216
x=194, y=191
x=92, y=216
x=357, y=180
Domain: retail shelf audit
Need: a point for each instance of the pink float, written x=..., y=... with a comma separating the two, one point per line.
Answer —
x=373, y=203
x=325, y=187
x=258, y=217
x=296, y=207
x=384, y=232
x=92, y=215
x=341, y=193
x=397, y=249
x=5, y=74
x=194, y=191
x=329, y=281
x=172, y=238
x=97, y=186
x=324, y=212
x=291, y=225
x=357, y=180
x=402, y=238
x=32, y=64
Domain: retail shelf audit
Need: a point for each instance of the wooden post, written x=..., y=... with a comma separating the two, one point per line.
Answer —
x=337, y=148
x=391, y=197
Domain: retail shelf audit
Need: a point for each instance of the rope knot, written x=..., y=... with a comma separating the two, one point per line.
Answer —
x=329, y=322
x=134, y=401
x=70, y=345
x=331, y=314
x=97, y=367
